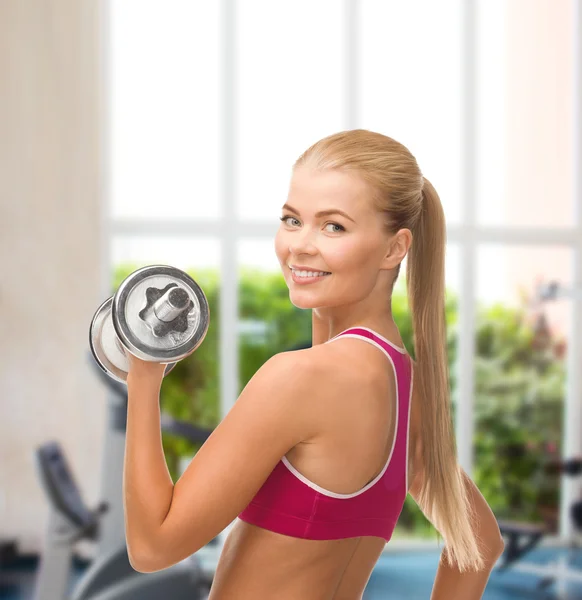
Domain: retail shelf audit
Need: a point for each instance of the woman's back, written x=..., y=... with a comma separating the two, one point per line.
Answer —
x=355, y=405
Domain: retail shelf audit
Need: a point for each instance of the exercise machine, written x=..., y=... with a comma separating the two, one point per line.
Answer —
x=524, y=537
x=110, y=576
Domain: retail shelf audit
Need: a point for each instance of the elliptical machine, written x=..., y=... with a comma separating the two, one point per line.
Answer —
x=110, y=576
x=524, y=537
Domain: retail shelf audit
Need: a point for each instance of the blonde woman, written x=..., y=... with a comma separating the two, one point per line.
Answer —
x=316, y=457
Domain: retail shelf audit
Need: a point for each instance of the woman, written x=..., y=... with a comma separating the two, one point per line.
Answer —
x=319, y=451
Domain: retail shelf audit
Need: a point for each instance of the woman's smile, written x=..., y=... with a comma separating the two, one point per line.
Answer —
x=301, y=280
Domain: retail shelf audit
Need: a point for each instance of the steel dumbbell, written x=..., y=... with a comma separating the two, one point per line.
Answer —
x=159, y=314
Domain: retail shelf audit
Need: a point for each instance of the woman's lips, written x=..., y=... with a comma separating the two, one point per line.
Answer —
x=307, y=280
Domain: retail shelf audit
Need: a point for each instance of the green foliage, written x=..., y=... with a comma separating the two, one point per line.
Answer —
x=519, y=412
x=518, y=398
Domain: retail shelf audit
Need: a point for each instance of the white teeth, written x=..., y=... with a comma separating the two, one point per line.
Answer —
x=309, y=273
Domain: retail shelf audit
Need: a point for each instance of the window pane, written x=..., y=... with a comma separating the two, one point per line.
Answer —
x=452, y=269
x=290, y=93
x=259, y=254
x=177, y=251
x=410, y=85
x=506, y=273
x=165, y=70
x=525, y=113
x=520, y=379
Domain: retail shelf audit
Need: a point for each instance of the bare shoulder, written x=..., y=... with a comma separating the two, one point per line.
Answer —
x=324, y=370
x=341, y=361
x=328, y=372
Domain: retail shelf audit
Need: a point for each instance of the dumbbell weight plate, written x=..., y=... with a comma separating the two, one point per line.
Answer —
x=136, y=295
x=105, y=347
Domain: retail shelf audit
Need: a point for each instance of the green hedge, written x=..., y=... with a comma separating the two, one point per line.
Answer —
x=518, y=397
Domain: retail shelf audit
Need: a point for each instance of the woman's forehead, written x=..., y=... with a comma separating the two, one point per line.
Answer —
x=344, y=189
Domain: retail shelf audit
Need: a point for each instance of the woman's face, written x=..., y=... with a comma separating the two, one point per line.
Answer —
x=350, y=247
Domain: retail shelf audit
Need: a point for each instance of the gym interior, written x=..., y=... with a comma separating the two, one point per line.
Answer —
x=130, y=137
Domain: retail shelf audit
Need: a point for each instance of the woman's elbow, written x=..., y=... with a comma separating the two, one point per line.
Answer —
x=494, y=546
x=501, y=547
x=142, y=562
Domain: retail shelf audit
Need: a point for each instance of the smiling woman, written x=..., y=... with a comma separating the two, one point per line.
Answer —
x=323, y=444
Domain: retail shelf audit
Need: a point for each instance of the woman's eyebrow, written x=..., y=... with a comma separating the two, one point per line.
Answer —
x=322, y=213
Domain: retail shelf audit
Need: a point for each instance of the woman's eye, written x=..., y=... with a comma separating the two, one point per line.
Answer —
x=285, y=217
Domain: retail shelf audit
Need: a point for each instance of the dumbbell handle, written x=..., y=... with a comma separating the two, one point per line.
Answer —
x=172, y=304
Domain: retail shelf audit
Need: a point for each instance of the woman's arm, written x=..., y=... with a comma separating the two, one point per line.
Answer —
x=147, y=484
x=450, y=583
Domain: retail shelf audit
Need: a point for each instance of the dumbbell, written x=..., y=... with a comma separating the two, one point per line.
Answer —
x=159, y=314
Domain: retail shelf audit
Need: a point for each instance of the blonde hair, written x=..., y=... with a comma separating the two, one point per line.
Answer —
x=406, y=199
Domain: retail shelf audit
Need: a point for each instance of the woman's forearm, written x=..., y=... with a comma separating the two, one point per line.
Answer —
x=147, y=483
x=451, y=584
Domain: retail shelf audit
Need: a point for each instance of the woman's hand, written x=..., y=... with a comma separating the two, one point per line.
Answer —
x=141, y=369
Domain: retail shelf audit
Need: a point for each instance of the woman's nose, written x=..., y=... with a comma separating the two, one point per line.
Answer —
x=301, y=246
x=302, y=241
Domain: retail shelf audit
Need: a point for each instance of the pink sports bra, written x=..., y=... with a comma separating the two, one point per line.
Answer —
x=291, y=504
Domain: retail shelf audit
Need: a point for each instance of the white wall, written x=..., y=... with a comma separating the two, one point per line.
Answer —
x=50, y=249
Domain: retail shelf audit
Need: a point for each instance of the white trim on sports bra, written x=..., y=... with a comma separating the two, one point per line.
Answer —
x=399, y=348
x=329, y=493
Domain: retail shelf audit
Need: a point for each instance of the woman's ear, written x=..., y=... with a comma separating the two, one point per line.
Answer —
x=398, y=248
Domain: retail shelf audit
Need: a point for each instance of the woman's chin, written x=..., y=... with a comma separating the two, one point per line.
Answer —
x=300, y=300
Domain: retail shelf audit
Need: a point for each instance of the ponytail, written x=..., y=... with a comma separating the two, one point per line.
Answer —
x=443, y=497
x=407, y=200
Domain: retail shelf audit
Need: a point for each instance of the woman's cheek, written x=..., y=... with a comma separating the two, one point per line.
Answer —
x=282, y=252
x=342, y=255
x=280, y=247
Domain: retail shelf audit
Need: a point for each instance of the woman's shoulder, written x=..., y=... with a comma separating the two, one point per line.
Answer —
x=344, y=361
